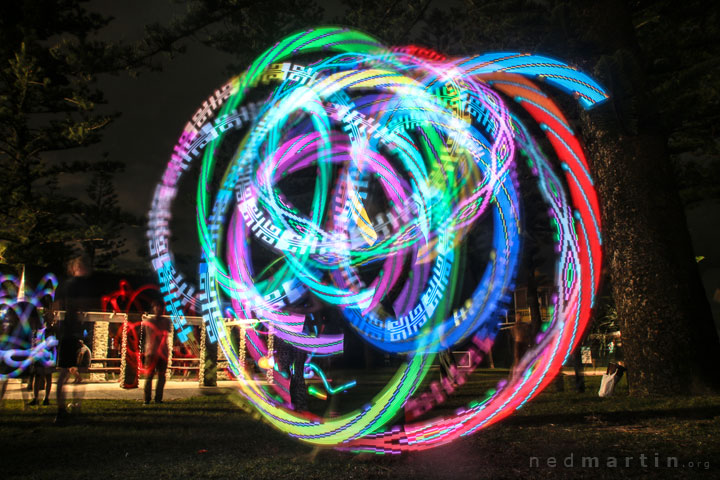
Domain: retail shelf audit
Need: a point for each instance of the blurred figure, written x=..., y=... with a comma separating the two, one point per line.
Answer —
x=291, y=358
x=43, y=372
x=8, y=341
x=183, y=354
x=448, y=367
x=22, y=320
x=74, y=296
x=157, y=330
x=84, y=356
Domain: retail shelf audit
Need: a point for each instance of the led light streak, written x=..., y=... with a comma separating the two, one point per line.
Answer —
x=410, y=151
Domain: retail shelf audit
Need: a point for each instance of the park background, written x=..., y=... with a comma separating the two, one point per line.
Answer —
x=81, y=156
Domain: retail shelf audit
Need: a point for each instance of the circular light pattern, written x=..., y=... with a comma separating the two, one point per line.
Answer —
x=127, y=300
x=408, y=152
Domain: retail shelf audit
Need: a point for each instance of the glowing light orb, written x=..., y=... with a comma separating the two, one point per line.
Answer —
x=409, y=153
x=265, y=363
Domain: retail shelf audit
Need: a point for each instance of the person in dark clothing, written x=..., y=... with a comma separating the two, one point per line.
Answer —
x=44, y=372
x=84, y=358
x=157, y=330
x=75, y=296
x=22, y=319
x=293, y=359
x=579, y=381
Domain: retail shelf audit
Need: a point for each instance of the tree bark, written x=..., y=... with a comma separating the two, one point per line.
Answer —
x=669, y=337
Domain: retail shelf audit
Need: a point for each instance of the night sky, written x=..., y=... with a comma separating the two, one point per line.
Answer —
x=154, y=108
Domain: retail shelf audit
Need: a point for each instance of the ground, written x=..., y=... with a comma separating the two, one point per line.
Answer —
x=208, y=436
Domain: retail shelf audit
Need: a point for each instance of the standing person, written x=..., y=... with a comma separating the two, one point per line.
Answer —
x=579, y=369
x=74, y=296
x=156, y=351
x=44, y=372
x=292, y=358
x=22, y=321
x=10, y=339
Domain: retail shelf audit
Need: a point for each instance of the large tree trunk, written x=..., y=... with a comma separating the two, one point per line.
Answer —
x=669, y=337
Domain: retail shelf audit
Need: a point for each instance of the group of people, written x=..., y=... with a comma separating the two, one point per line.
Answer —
x=22, y=323
x=73, y=357
x=40, y=375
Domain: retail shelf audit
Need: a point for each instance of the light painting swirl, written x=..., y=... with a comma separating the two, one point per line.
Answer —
x=410, y=154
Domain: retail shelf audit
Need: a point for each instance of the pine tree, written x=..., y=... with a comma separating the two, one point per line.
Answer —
x=100, y=219
x=47, y=103
x=49, y=61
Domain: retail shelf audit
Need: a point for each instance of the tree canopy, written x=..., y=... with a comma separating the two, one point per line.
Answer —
x=50, y=59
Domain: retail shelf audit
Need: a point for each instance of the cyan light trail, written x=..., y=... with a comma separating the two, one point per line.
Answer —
x=438, y=138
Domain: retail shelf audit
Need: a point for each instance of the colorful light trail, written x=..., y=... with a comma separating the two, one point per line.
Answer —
x=409, y=151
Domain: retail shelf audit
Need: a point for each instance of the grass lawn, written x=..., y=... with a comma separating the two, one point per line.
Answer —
x=210, y=437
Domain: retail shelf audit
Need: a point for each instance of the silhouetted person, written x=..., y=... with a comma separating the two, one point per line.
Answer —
x=11, y=339
x=291, y=358
x=84, y=357
x=43, y=372
x=22, y=320
x=157, y=330
x=579, y=369
x=74, y=296
x=8, y=341
x=575, y=360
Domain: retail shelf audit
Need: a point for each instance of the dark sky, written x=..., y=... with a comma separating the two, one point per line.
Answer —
x=154, y=107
